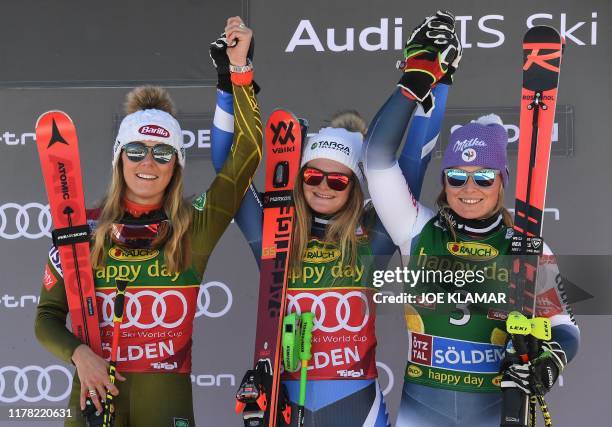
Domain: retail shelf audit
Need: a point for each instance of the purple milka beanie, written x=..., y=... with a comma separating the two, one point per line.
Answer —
x=481, y=142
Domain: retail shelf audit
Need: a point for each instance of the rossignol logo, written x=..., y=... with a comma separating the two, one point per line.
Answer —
x=321, y=255
x=414, y=371
x=154, y=130
x=542, y=97
x=124, y=254
x=468, y=143
x=474, y=251
x=331, y=145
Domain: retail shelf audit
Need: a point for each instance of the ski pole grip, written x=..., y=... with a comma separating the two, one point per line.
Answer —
x=514, y=408
x=307, y=325
x=119, y=300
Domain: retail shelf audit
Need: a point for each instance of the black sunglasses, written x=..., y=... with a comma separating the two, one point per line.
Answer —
x=137, y=151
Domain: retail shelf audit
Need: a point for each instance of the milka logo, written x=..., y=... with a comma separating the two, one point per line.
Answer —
x=332, y=145
x=468, y=143
x=154, y=130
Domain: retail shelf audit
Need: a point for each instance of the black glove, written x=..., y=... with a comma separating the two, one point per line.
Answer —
x=218, y=54
x=432, y=54
x=539, y=375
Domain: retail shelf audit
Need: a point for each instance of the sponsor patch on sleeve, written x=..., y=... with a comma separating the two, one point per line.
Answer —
x=49, y=279
x=199, y=202
x=54, y=257
x=548, y=304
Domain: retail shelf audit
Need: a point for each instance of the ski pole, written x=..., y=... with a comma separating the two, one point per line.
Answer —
x=305, y=355
x=526, y=335
x=540, y=331
x=109, y=407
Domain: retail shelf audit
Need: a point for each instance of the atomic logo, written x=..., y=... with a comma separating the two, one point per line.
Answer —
x=56, y=136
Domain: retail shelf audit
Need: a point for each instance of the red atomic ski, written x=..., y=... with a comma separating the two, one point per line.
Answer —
x=58, y=150
x=258, y=396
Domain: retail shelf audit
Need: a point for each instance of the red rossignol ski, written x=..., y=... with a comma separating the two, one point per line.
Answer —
x=258, y=396
x=542, y=51
x=58, y=150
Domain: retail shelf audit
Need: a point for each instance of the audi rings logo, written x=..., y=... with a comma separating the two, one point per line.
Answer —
x=34, y=383
x=133, y=309
x=321, y=303
x=204, y=306
x=158, y=315
x=32, y=221
x=383, y=367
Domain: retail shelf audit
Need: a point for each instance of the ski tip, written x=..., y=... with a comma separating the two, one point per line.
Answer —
x=46, y=113
x=542, y=34
x=278, y=111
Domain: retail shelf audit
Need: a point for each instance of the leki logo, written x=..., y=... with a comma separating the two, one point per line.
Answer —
x=282, y=133
x=124, y=254
x=472, y=250
x=154, y=130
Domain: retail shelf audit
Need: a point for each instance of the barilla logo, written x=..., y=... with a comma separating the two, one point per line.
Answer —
x=321, y=255
x=472, y=250
x=154, y=130
x=468, y=143
x=124, y=254
x=413, y=371
x=331, y=145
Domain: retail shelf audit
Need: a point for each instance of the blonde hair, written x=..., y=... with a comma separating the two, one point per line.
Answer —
x=443, y=207
x=177, y=249
x=344, y=223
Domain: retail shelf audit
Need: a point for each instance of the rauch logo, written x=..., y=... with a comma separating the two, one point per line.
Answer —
x=124, y=254
x=472, y=250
